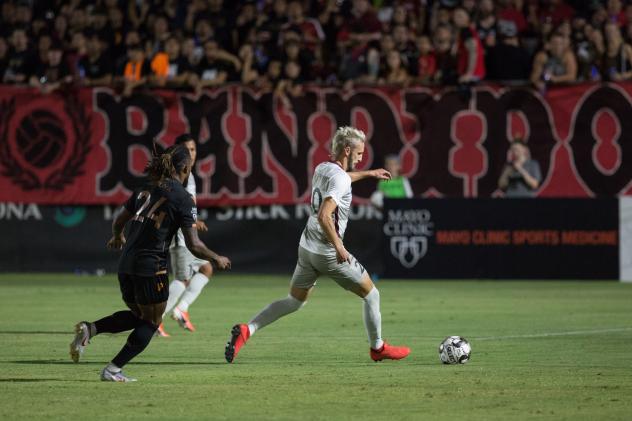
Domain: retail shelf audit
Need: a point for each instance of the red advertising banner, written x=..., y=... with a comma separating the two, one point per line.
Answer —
x=89, y=146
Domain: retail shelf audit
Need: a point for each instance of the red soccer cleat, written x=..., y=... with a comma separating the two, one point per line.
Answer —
x=239, y=336
x=389, y=352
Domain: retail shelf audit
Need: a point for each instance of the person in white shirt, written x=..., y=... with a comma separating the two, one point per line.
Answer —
x=322, y=252
x=190, y=273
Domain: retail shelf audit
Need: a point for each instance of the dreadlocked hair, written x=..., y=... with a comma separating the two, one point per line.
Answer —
x=166, y=164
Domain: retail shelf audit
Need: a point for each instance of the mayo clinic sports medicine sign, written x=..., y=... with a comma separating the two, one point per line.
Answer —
x=502, y=238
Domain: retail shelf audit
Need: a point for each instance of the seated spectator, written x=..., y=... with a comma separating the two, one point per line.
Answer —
x=53, y=74
x=508, y=61
x=470, y=53
x=21, y=62
x=554, y=64
x=426, y=61
x=521, y=175
x=395, y=72
x=4, y=55
x=589, y=50
x=486, y=23
x=617, y=64
x=358, y=31
x=556, y=11
x=406, y=47
x=170, y=68
x=510, y=10
x=311, y=32
x=137, y=69
x=95, y=68
x=446, y=73
x=398, y=187
x=210, y=71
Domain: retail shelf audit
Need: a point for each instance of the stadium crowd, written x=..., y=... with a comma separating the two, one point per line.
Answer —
x=281, y=44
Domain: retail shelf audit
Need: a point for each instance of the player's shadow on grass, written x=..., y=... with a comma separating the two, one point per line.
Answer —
x=100, y=363
x=17, y=380
x=35, y=332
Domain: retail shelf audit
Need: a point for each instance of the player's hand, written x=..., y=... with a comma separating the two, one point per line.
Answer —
x=381, y=174
x=201, y=226
x=116, y=243
x=223, y=262
x=342, y=255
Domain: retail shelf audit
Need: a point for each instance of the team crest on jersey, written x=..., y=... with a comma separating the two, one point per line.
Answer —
x=44, y=145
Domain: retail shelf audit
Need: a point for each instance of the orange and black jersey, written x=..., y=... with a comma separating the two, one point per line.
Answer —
x=157, y=213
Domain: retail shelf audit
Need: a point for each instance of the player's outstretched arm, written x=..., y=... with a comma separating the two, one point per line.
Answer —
x=199, y=249
x=118, y=225
x=380, y=174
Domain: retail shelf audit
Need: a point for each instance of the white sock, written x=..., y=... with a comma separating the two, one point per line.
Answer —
x=274, y=311
x=176, y=288
x=373, y=318
x=193, y=291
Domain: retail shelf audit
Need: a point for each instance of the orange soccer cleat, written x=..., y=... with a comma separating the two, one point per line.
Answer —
x=161, y=331
x=239, y=336
x=182, y=317
x=389, y=352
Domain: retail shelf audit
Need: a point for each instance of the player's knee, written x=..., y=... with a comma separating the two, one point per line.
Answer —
x=206, y=270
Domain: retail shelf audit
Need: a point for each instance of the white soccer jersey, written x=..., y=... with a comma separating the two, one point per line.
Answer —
x=329, y=181
x=178, y=239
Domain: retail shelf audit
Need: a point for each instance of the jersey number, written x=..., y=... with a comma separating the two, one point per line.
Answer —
x=157, y=218
x=317, y=200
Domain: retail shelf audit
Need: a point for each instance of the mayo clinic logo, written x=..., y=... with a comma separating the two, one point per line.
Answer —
x=408, y=231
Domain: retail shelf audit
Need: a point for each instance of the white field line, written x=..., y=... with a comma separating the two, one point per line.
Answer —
x=553, y=334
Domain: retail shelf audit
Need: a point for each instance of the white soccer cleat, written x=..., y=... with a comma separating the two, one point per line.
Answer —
x=108, y=375
x=82, y=339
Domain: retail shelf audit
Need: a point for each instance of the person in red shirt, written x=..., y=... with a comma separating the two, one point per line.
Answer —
x=557, y=11
x=427, y=61
x=470, y=52
x=508, y=11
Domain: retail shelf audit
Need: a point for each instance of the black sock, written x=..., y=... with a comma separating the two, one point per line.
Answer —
x=137, y=341
x=117, y=322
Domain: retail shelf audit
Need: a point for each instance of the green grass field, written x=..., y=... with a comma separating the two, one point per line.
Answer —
x=541, y=350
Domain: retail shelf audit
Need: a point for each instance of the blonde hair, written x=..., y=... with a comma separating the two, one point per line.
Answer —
x=346, y=136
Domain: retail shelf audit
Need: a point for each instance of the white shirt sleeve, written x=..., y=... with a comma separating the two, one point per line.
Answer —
x=338, y=186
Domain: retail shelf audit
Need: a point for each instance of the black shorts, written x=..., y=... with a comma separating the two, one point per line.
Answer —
x=144, y=289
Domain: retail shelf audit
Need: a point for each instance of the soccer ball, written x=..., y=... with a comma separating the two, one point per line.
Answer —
x=454, y=350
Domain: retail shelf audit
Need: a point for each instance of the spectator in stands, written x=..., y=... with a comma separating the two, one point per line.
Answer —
x=53, y=74
x=511, y=10
x=395, y=72
x=406, y=48
x=618, y=57
x=446, y=73
x=616, y=14
x=557, y=11
x=589, y=50
x=398, y=187
x=95, y=68
x=470, y=53
x=426, y=60
x=171, y=68
x=21, y=61
x=210, y=71
x=521, y=175
x=486, y=23
x=4, y=55
x=508, y=61
x=359, y=30
x=137, y=69
x=311, y=32
x=554, y=64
